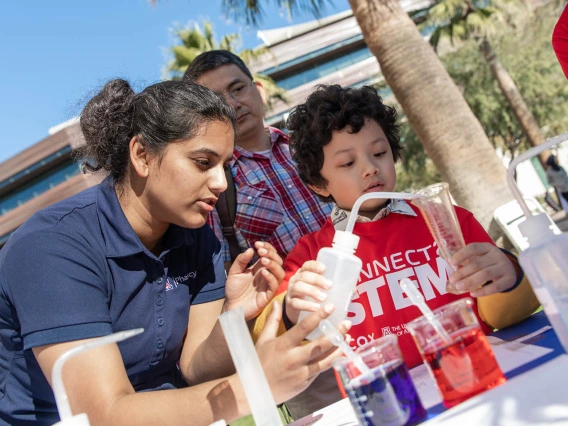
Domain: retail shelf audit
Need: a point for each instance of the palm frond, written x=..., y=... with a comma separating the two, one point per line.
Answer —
x=252, y=13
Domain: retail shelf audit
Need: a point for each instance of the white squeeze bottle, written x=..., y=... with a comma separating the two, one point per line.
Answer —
x=545, y=261
x=342, y=268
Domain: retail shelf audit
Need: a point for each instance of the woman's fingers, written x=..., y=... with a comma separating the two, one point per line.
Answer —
x=241, y=262
x=268, y=251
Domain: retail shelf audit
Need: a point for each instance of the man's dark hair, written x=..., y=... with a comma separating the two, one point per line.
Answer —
x=331, y=109
x=211, y=60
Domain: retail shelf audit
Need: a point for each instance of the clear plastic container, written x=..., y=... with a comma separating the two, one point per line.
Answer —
x=545, y=261
x=342, y=268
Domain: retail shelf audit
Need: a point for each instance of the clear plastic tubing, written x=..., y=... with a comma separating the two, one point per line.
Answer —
x=342, y=266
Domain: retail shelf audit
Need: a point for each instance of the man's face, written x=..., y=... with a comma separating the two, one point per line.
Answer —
x=244, y=95
x=356, y=164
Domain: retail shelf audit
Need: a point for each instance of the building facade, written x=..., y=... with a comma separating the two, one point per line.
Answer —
x=326, y=51
x=39, y=176
x=330, y=50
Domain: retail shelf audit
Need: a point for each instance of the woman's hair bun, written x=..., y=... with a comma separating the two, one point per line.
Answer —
x=106, y=125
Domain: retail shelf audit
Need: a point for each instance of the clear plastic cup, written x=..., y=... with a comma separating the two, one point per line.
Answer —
x=467, y=366
x=386, y=395
x=440, y=216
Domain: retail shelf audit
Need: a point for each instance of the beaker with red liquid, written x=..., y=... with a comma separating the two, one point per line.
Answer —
x=466, y=366
x=386, y=395
x=440, y=217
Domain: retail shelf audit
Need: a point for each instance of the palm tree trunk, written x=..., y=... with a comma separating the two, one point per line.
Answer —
x=509, y=89
x=451, y=134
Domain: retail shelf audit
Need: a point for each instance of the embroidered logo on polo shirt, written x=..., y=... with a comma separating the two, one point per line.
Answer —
x=171, y=284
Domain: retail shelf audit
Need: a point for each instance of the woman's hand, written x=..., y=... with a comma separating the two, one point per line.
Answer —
x=289, y=365
x=484, y=270
x=253, y=288
x=308, y=281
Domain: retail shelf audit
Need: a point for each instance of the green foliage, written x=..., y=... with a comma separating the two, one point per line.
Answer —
x=460, y=20
x=415, y=170
x=193, y=40
x=526, y=53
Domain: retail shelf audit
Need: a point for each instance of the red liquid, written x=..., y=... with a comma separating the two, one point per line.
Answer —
x=465, y=368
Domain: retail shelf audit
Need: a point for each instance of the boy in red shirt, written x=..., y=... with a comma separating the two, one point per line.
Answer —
x=345, y=142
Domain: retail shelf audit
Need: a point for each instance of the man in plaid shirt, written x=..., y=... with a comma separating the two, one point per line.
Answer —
x=273, y=204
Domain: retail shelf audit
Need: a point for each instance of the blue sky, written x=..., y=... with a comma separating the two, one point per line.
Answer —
x=54, y=54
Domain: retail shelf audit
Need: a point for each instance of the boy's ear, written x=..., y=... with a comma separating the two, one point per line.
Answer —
x=319, y=190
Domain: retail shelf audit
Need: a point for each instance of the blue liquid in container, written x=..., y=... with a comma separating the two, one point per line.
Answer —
x=389, y=399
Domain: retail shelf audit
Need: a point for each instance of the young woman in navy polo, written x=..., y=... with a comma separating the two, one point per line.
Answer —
x=134, y=252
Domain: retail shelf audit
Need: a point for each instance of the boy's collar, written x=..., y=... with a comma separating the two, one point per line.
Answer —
x=339, y=217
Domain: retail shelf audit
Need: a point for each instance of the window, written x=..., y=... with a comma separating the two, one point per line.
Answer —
x=35, y=166
x=38, y=186
x=322, y=68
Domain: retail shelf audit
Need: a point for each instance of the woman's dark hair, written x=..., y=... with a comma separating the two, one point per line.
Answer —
x=163, y=113
x=331, y=109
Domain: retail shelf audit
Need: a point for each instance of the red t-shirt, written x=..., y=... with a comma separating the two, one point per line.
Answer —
x=560, y=41
x=395, y=247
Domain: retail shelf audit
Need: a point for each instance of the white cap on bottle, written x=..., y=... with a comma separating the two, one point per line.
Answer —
x=345, y=241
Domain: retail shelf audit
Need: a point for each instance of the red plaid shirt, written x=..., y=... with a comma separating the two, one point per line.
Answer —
x=273, y=204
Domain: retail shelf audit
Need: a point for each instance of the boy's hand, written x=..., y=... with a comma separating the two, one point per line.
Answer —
x=308, y=281
x=481, y=263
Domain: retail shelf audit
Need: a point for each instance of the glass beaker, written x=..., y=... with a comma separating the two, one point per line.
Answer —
x=467, y=366
x=387, y=396
x=440, y=216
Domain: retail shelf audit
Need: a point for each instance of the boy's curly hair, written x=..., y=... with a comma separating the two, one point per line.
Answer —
x=330, y=109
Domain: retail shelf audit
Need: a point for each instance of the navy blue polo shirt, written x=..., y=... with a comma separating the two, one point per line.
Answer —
x=77, y=270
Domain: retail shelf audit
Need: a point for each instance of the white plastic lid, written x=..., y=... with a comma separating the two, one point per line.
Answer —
x=345, y=241
x=219, y=423
x=76, y=420
x=536, y=228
